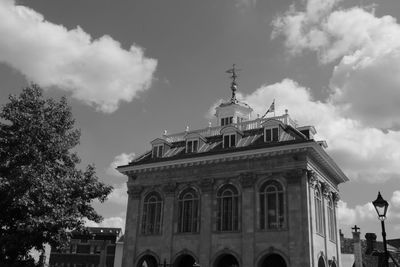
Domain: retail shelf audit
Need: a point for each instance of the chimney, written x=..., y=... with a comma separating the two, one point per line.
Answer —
x=357, y=247
x=371, y=242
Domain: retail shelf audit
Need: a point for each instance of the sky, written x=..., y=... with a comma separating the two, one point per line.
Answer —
x=132, y=69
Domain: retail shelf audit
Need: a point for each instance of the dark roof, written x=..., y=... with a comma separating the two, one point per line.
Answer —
x=251, y=139
x=394, y=242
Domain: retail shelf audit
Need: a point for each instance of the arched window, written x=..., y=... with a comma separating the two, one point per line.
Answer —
x=151, y=217
x=272, y=205
x=228, y=208
x=319, y=212
x=321, y=262
x=331, y=220
x=188, y=220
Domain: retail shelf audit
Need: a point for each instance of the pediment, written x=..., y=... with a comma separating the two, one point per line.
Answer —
x=230, y=129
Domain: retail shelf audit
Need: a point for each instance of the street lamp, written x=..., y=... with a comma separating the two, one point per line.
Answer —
x=381, y=207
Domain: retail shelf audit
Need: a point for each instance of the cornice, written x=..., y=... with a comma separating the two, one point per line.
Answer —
x=318, y=153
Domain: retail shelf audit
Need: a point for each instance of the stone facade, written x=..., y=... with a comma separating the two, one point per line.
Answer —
x=245, y=193
x=297, y=243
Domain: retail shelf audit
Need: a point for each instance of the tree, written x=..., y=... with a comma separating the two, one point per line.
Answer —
x=43, y=194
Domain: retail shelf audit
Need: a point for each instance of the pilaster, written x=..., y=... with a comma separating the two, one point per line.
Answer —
x=206, y=186
x=247, y=181
x=168, y=220
x=131, y=225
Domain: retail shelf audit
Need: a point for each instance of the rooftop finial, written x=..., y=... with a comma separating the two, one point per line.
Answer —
x=233, y=71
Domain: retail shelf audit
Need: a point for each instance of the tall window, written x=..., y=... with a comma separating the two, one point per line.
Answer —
x=228, y=208
x=331, y=220
x=271, y=134
x=188, y=221
x=151, y=217
x=158, y=151
x=192, y=146
x=229, y=140
x=226, y=121
x=272, y=206
x=319, y=212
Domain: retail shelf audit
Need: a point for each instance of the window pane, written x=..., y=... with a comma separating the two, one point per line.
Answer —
x=155, y=152
x=195, y=145
x=268, y=135
x=226, y=141
x=275, y=136
x=189, y=147
x=233, y=140
x=281, y=210
x=222, y=122
x=272, y=212
x=262, y=211
x=160, y=151
x=230, y=120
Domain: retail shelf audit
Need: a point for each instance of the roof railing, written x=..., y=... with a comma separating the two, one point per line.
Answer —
x=243, y=126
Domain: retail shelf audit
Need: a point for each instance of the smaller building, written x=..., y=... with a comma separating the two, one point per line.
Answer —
x=367, y=252
x=95, y=247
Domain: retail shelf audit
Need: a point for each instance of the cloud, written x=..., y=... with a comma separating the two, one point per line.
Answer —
x=362, y=152
x=350, y=216
x=119, y=195
x=119, y=160
x=116, y=222
x=365, y=49
x=395, y=200
x=97, y=72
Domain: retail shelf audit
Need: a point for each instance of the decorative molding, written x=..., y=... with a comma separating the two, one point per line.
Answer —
x=247, y=179
x=312, y=178
x=271, y=249
x=134, y=191
x=326, y=191
x=206, y=184
x=335, y=198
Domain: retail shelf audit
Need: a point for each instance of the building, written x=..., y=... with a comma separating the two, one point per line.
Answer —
x=368, y=252
x=247, y=192
x=92, y=248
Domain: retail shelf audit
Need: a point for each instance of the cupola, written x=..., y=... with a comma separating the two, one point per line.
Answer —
x=233, y=111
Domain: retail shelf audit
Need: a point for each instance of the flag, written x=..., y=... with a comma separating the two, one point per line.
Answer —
x=271, y=109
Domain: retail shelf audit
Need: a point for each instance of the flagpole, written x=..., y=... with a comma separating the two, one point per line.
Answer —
x=274, y=107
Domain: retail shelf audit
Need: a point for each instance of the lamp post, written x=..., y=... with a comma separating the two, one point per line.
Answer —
x=381, y=207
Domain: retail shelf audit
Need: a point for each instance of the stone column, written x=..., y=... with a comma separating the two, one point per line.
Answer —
x=206, y=222
x=168, y=222
x=247, y=181
x=357, y=247
x=132, y=225
x=296, y=223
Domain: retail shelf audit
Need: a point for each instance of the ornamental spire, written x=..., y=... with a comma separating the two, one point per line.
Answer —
x=233, y=71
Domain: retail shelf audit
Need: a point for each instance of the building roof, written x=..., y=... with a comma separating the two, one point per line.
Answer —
x=250, y=142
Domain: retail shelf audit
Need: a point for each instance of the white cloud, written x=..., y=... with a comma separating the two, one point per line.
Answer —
x=98, y=72
x=350, y=216
x=367, y=48
x=119, y=195
x=119, y=160
x=395, y=200
x=117, y=222
x=363, y=152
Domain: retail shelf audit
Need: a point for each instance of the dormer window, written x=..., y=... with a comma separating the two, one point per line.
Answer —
x=192, y=146
x=271, y=134
x=226, y=121
x=229, y=140
x=158, y=151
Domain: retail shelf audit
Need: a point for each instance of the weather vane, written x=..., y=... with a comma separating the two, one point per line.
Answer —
x=233, y=71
